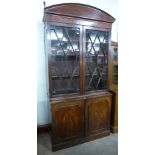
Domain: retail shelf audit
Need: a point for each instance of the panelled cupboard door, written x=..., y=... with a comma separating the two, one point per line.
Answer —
x=97, y=115
x=68, y=121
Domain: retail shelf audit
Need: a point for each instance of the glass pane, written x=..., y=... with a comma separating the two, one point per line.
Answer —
x=64, y=54
x=115, y=66
x=96, y=59
x=115, y=56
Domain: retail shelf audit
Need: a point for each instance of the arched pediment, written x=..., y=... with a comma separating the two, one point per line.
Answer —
x=79, y=11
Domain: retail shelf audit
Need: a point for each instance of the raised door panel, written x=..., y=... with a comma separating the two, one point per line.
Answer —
x=97, y=115
x=68, y=121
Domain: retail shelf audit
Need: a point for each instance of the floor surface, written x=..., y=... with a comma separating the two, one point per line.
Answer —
x=103, y=146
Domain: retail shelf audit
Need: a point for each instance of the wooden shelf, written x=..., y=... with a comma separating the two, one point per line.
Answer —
x=64, y=77
x=99, y=55
x=67, y=76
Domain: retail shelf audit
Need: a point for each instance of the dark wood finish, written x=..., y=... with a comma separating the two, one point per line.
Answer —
x=68, y=121
x=84, y=115
x=79, y=141
x=98, y=115
x=87, y=95
x=80, y=10
x=77, y=21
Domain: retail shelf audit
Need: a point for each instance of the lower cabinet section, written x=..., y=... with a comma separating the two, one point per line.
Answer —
x=77, y=121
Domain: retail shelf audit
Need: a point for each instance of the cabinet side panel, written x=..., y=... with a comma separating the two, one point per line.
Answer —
x=114, y=113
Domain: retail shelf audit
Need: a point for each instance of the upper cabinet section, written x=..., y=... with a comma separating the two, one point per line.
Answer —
x=79, y=10
x=77, y=39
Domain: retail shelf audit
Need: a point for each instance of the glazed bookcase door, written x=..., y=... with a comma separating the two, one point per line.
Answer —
x=64, y=54
x=96, y=46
